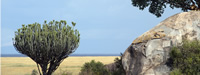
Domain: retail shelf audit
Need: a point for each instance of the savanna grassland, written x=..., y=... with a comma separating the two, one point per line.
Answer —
x=24, y=65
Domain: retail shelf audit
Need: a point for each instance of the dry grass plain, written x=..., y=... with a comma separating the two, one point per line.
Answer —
x=24, y=65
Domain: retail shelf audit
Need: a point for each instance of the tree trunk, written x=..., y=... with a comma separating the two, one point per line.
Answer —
x=51, y=68
x=44, y=69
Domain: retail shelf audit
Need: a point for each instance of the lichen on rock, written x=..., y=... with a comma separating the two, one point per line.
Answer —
x=153, y=34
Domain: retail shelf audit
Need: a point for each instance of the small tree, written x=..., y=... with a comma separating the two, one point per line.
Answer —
x=185, y=59
x=157, y=7
x=48, y=45
x=94, y=68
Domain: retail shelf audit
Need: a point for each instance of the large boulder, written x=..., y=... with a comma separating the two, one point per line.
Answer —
x=148, y=54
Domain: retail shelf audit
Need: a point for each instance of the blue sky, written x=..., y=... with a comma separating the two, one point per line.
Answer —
x=106, y=26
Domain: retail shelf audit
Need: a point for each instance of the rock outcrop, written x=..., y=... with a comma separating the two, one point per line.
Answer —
x=148, y=54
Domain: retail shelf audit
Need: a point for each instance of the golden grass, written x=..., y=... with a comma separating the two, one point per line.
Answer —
x=24, y=65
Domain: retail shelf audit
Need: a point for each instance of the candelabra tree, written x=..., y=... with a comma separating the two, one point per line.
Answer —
x=48, y=44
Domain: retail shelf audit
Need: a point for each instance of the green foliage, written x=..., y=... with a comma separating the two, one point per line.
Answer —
x=157, y=7
x=63, y=72
x=34, y=72
x=48, y=44
x=175, y=72
x=66, y=73
x=186, y=58
x=98, y=68
x=118, y=70
x=94, y=68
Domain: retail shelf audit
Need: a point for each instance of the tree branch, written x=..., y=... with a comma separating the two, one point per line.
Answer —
x=38, y=69
x=193, y=3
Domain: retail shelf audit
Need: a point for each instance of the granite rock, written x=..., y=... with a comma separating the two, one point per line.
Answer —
x=148, y=54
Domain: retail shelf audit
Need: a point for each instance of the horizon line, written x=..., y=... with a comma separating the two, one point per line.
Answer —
x=22, y=55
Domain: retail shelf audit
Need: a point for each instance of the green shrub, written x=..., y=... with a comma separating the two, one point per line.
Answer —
x=119, y=70
x=94, y=68
x=34, y=72
x=66, y=73
x=175, y=72
x=186, y=58
x=62, y=72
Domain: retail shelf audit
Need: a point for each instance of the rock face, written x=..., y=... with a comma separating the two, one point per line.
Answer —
x=148, y=54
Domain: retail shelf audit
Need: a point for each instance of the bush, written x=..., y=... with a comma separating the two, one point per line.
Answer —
x=66, y=73
x=175, y=72
x=94, y=68
x=63, y=72
x=118, y=68
x=34, y=72
x=186, y=58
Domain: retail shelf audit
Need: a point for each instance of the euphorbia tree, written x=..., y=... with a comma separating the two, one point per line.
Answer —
x=48, y=44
